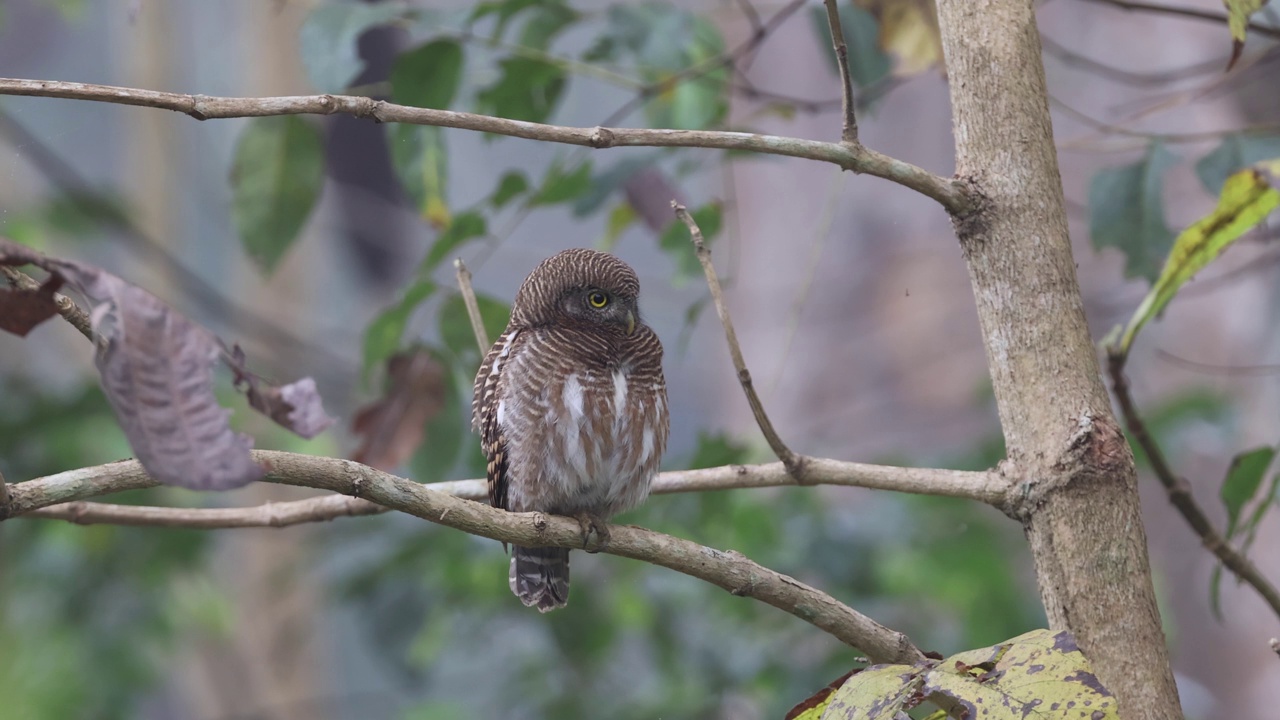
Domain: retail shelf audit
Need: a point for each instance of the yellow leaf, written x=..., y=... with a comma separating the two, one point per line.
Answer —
x=1238, y=12
x=1247, y=198
x=908, y=30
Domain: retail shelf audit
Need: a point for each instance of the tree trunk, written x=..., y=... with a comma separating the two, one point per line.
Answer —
x=1080, y=508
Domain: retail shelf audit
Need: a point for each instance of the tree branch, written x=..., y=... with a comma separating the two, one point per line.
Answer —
x=67, y=308
x=54, y=491
x=849, y=130
x=791, y=460
x=1179, y=491
x=1186, y=12
x=952, y=195
x=728, y=570
x=5, y=501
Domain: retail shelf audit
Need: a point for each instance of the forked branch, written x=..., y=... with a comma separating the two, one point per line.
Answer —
x=728, y=570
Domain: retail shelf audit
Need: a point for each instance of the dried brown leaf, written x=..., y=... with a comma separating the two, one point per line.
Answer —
x=21, y=310
x=296, y=407
x=393, y=426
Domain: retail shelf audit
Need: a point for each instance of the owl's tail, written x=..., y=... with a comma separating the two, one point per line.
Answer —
x=540, y=577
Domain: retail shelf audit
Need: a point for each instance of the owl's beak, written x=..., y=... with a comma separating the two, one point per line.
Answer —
x=631, y=322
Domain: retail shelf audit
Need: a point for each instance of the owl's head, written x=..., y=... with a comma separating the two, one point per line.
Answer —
x=579, y=287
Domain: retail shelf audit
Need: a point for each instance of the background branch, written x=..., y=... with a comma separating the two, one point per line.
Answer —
x=1179, y=492
x=50, y=496
x=952, y=195
x=473, y=307
x=849, y=130
x=1186, y=12
x=791, y=460
x=729, y=570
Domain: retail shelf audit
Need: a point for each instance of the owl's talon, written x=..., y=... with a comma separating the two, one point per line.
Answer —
x=587, y=524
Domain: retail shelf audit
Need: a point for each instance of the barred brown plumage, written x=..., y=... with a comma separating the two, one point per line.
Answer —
x=571, y=407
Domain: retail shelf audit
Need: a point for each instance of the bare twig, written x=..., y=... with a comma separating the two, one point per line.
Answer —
x=1275, y=645
x=849, y=131
x=48, y=497
x=267, y=515
x=473, y=307
x=67, y=308
x=728, y=570
x=950, y=194
x=791, y=460
x=1179, y=492
x=1186, y=12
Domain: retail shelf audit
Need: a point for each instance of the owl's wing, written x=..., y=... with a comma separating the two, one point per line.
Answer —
x=484, y=415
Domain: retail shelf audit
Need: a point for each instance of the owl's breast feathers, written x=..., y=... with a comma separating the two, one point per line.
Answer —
x=572, y=421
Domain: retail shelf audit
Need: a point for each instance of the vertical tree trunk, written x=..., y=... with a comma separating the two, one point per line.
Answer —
x=1080, y=508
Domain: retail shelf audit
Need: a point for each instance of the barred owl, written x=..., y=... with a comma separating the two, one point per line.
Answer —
x=571, y=407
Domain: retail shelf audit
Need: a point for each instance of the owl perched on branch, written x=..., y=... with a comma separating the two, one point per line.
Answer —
x=571, y=408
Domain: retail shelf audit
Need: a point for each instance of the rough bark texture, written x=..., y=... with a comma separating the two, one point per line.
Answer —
x=1081, y=508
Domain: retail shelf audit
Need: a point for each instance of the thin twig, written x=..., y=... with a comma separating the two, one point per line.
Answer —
x=728, y=570
x=1275, y=646
x=1179, y=492
x=1186, y=12
x=49, y=497
x=951, y=194
x=849, y=131
x=473, y=307
x=791, y=460
x=67, y=308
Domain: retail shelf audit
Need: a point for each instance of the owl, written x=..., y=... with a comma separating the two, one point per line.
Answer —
x=571, y=408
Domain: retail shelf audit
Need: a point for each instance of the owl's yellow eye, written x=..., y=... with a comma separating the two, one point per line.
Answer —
x=598, y=299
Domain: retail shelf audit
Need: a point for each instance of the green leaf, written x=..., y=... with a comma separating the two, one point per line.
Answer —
x=675, y=239
x=328, y=40
x=1246, y=200
x=1244, y=477
x=421, y=161
x=526, y=90
x=718, y=449
x=546, y=22
x=275, y=180
x=382, y=336
x=505, y=10
x=513, y=184
x=455, y=325
x=603, y=184
x=880, y=692
x=428, y=76
x=1233, y=154
x=1127, y=212
x=620, y=218
x=560, y=185
x=868, y=64
x=464, y=227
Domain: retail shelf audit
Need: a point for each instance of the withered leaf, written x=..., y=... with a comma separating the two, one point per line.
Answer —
x=296, y=406
x=156, y=370
x=21, y=310
x=393, y=426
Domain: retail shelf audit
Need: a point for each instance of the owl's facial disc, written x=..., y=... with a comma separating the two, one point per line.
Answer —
x=602, y=307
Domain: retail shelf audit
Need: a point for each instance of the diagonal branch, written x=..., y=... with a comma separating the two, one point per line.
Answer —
x=849, y=131
x=791, y=460
x=473, y=307
x=52, y=496
x=67, y=308
x=1186, y=12
x=950, y=194
x=728, y=570
x=1179, y=492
